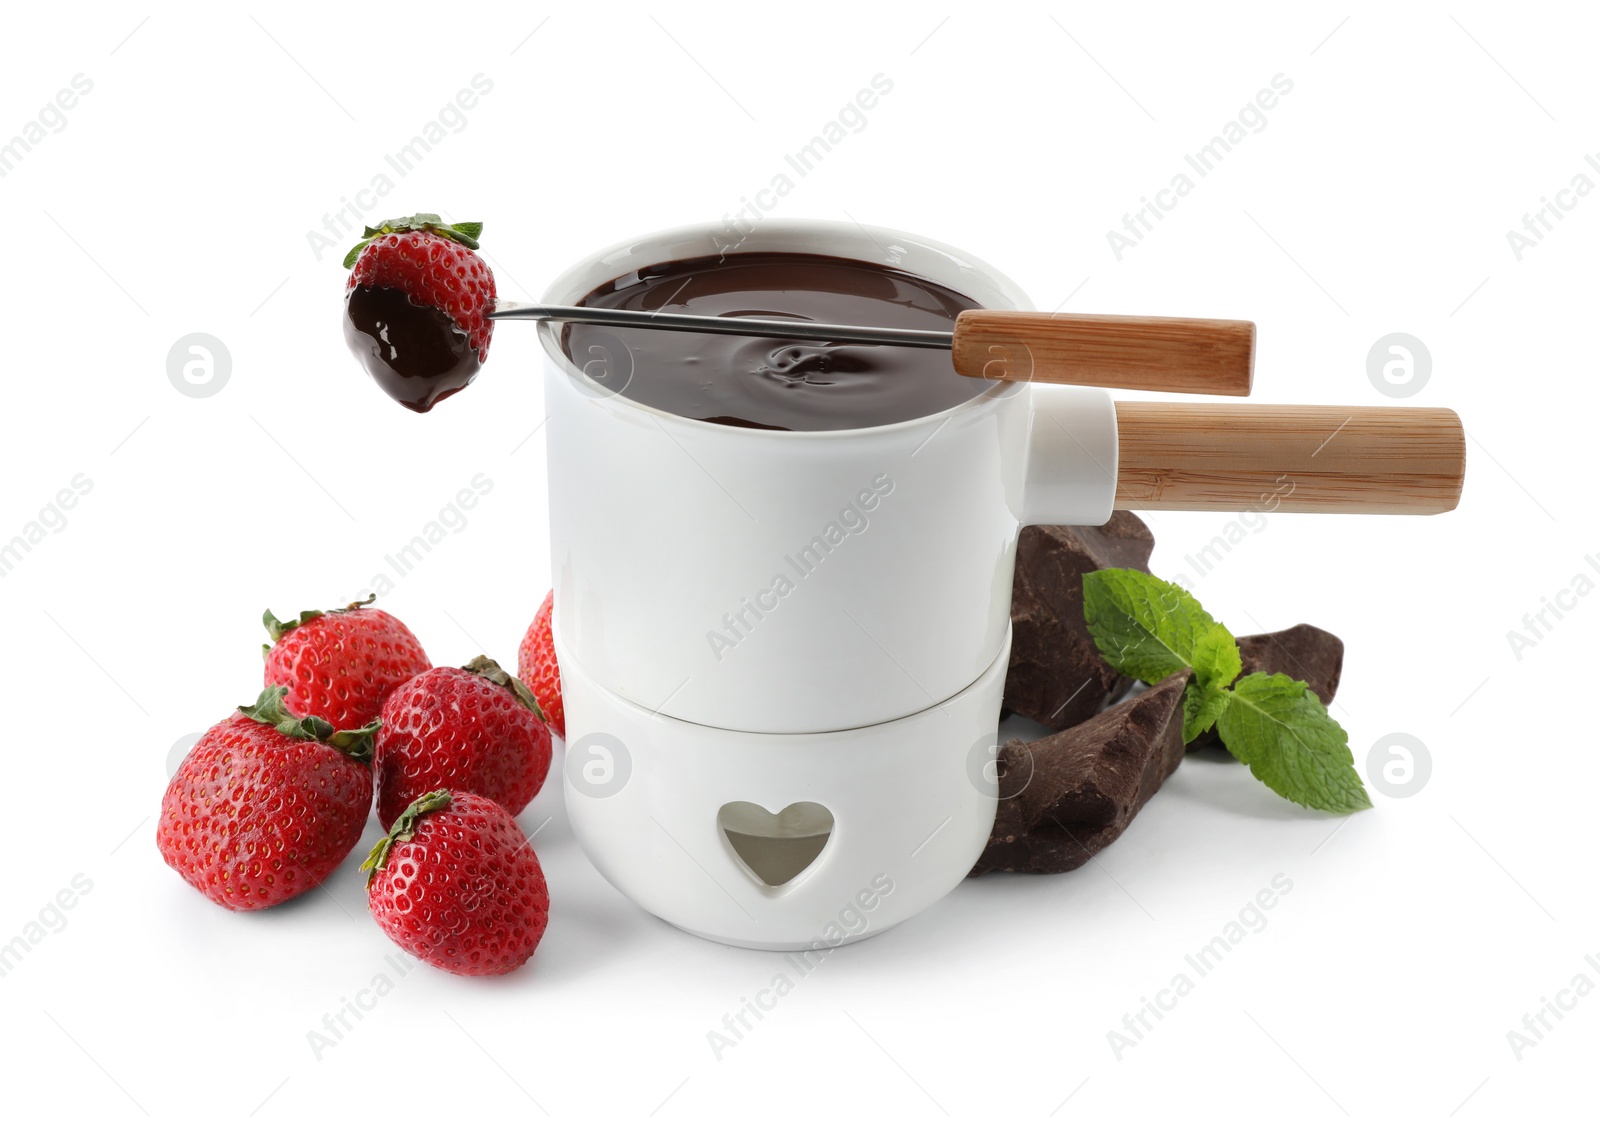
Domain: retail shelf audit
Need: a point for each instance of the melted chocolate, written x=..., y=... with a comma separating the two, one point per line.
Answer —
x=416, y=354
x=769, y=382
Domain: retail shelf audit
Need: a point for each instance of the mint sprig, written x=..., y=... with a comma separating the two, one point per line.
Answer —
x=1150, y=629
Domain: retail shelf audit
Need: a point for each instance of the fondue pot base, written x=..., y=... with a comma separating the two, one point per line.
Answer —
x=785, y=842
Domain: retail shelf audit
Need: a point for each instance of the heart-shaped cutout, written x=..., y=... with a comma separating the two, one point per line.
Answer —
x=776, y=847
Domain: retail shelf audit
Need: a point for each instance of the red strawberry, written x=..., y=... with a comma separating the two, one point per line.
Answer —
x=457, y=885
x=266, y=805
x=341, y=665
x=416, y=307
x=536, y=667
x=475, y=728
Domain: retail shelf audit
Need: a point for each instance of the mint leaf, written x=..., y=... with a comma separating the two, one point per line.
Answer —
x=1217, y=664
x=1203, y=705
x=1277, y=727
x=1148, y=629
x=1216, y=659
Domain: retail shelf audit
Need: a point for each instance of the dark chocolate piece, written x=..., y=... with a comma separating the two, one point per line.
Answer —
x=1084, y=785
x=1056, y=676
x=1304, y=652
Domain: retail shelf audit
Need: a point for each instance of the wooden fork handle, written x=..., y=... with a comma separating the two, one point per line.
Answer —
x=1163, y=355
x=1318, y=458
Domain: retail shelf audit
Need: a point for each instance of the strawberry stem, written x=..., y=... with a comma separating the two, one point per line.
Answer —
x=466, y=232
x=277, y=629
x=404, y=829
x=270, y=709
x=492, y=672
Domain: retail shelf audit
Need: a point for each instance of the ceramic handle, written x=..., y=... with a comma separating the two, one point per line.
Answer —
x=1162, y=355
x=1307, y=458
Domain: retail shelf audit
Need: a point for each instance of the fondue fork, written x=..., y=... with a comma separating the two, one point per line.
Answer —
x=1162, y=355
x=1329, y=459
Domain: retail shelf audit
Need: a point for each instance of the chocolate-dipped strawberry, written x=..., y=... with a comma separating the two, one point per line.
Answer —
x=416, y=307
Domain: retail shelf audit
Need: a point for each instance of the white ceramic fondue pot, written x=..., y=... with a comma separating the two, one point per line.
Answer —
x=782, y=653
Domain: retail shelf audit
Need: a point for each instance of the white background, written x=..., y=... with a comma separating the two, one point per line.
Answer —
x=178, y=197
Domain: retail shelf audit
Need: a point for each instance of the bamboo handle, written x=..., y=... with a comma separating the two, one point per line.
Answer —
x=1161, y=355
x=1309, y=458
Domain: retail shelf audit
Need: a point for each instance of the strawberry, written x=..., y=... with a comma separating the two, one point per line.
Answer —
x=456, y=884
x=266, y=805
x=340, y=665
x=536, y=666
x=475, y=728
x=416, y=307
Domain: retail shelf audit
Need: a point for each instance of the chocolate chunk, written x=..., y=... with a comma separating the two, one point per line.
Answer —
x=1056, y=676
x=1084, y=785
x=1304, y=652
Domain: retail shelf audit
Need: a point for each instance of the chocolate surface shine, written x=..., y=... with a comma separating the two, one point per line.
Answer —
x=416, y=354
x=773, y=383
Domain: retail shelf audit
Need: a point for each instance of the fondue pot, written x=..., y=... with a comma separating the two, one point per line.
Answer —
x=782, y=653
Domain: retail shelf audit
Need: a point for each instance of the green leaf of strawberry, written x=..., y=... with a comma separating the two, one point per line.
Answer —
x=492, y=672
x=404, y=829
x=465, y=233
x=270, y=709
